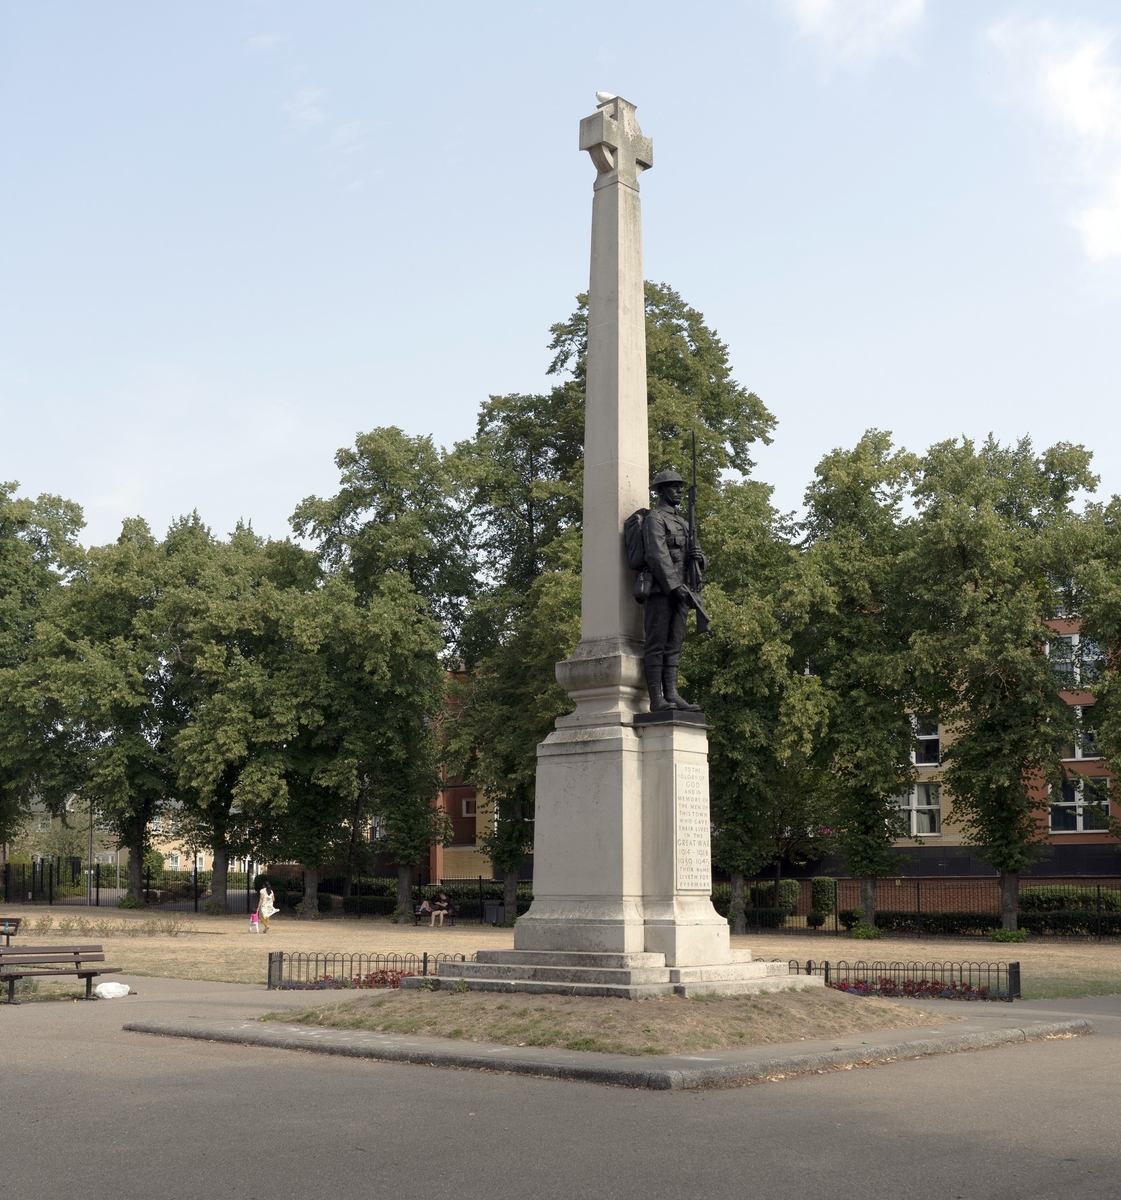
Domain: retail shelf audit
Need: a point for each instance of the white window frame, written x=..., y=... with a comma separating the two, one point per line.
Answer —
x=173, y=861
x=44, y=823
x=469, y=812
x=1079, y=805
x=909, y=803
x=927, y=738
x=1081, y=753
x=1076, y=681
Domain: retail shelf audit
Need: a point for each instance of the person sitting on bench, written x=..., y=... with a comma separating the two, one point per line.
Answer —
x=440, y=909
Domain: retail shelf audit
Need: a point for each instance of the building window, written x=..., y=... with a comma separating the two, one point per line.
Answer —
x=44, y=822
x=928, y=745
x=173, y=862
x=157, y=824
x=200, y=859
x=1081, y=805
x=1084, y=745
x=105, y=858
x=923, y=806
x=469, y=807
x=1075, y=660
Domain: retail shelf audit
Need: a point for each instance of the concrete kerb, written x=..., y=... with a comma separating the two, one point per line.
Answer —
x=665, y=1073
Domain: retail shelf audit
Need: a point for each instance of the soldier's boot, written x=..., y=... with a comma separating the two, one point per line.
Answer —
x=674, y=698
x=658, y=702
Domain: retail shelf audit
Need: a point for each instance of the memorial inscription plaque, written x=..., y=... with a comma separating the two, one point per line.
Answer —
x=692, y=826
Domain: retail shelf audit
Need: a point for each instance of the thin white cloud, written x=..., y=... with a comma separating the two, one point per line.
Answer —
x=1068, y=75
x=347, y=139
x=304, y=109
x=854, y=33
x=265, y=41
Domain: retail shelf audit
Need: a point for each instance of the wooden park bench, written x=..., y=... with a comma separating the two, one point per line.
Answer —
x=450, y=914
x=27, y=962
x=9, y=926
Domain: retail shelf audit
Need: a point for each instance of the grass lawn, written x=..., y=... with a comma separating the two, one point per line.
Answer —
x=671, y=1025
x=221, y=948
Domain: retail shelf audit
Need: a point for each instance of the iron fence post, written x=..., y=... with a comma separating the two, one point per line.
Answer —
x=195, y=877
x=826, y=964
x=1013, y=981
x=276, y=959
x=359, y=891
x=97, y=885
x=1099, y=912
x=425, y=970
x=50, y=883
x=482, y=917
x=7, y=881
x=248, y=884
x=836, y=904
x=918, y=908
x=755, y=889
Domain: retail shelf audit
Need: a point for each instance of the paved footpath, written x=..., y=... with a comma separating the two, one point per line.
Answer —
x=152, y=1116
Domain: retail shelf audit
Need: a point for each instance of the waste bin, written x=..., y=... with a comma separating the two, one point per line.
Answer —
x=494, y=912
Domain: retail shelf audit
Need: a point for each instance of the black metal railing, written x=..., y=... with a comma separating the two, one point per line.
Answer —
x=331, y=971
x=933, y=980
x=909, y=907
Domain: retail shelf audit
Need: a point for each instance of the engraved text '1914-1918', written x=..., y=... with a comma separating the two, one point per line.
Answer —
x=693, y=828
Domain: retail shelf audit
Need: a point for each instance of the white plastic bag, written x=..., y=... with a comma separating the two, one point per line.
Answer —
x=111, y=991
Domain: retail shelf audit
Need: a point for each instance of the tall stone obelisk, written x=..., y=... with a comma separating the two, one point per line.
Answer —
x=622, y=879
x=588, y=818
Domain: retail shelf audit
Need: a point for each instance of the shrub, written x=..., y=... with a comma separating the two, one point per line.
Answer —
x=129, y=902
x=823, y=893
x=815, y=919
x=1067, y=898
x=213, y=909
x=861, y=929
x=1008, y=935
x=789, y=891
x=949, y=923
x=1084, y=922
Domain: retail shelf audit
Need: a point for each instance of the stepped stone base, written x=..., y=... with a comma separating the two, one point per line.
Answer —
x=640, y=976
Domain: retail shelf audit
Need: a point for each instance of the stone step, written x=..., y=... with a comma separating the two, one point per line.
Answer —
x=561, y=958
x=535, y=972
x=755, y=970
x=750, y=987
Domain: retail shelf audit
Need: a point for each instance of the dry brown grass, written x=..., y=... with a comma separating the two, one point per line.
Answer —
x=221, y=949
x=671, y=1025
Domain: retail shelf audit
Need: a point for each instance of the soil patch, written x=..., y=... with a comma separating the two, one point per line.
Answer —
x=672, y=1025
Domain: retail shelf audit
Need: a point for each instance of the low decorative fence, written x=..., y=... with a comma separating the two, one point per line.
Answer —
x=942, y=981
x=327, y=972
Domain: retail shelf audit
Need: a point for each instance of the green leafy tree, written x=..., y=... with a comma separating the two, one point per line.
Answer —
x=38, y=549
x=995, y=530
x=767, y=715
x=523, y=475
x=857, y=643
x=395, y=534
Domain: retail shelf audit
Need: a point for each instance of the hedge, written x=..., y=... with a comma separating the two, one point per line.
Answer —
x=1067, y=897
x=824, y=894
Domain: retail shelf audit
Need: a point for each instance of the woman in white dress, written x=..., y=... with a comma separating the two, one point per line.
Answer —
x=265, y=907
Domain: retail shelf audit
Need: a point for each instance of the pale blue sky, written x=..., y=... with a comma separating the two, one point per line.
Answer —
x=236, y=233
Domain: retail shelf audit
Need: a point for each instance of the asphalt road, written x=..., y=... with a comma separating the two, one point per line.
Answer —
x=88, y=1110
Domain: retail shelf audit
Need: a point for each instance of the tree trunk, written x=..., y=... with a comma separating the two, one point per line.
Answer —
x=219, y=878
x=136, y=870
x=404, y=894
x=311, y=894
x=510, y=894
x=735, y=913
x=868, y=899
x=1009, y=898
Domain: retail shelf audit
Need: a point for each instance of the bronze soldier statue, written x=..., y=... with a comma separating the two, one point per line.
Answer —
x=673, y=562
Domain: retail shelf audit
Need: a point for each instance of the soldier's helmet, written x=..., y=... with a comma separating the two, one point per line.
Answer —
x=668, y=476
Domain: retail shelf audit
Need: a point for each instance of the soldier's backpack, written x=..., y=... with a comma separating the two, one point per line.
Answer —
x=632, y=539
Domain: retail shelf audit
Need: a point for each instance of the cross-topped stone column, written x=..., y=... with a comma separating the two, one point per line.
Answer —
x=604, y=675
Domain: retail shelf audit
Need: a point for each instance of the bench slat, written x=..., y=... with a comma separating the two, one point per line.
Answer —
x=27, y=960
x=65, y=948
x=81, y=972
